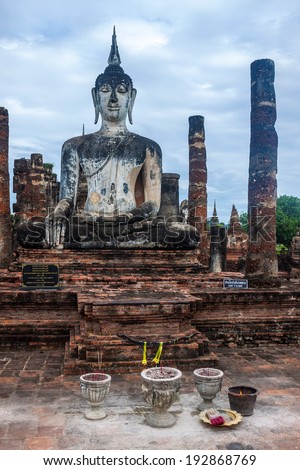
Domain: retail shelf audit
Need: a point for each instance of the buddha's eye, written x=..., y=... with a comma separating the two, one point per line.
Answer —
x=122, y=88
x=105, y=88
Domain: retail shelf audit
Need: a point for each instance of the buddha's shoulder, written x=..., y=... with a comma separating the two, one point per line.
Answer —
x=73, y=142
x=130, y=139
x=145, y=143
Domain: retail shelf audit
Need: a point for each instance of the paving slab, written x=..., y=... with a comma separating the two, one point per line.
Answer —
x=41, y=408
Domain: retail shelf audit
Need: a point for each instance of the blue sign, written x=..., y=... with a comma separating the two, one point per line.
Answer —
x=235, y=283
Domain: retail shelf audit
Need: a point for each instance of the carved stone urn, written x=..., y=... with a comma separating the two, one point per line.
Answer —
x=161, y=389
x=94, y=387
x=208, y=382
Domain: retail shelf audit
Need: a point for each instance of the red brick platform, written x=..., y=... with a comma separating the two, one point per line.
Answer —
x=111, y=301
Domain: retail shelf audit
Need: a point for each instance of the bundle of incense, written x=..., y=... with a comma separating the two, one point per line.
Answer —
x=214, y=417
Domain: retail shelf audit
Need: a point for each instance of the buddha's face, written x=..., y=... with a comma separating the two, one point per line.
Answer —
x=113, y=97
x=114, y=101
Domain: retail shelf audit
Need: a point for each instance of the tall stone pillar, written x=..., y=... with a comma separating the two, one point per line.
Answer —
x=261, y=260
x=5, y=223
x=197, y=197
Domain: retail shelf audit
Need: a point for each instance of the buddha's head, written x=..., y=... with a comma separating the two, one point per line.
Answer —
x=113, y=94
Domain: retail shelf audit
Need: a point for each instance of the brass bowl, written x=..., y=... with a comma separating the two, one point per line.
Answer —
x=231, y=417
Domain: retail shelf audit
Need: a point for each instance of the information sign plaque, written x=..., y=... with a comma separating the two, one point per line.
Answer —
x=235, y=283
x=40, y=276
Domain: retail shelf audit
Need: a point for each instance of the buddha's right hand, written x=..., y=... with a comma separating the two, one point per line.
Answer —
x=56, y=224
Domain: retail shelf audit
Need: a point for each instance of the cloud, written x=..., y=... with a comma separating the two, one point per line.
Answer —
x=185, y=58
x=18, y=109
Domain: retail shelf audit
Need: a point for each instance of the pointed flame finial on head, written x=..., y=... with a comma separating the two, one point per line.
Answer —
x=114, y=56
x=113, y=75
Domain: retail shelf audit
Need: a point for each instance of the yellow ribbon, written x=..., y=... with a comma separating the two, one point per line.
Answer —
x=144, y=361
x=158, y=353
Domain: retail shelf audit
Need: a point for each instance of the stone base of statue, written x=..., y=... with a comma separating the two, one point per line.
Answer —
x=93, y=233
x=134, y=232
x=106, y=305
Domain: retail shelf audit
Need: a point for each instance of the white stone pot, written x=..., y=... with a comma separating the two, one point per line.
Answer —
x=208, y=382
x=94, y=387
x=161, y=389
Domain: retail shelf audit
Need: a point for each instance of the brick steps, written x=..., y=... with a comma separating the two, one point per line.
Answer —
x=253, y=333
x=124, y=259
x=116, y=324
x=146, y=295
x=87, y=351
x=117, y=294
x=134, y=366
x=36, y=317
x=251, y=317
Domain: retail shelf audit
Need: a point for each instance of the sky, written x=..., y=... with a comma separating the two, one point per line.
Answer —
x=185, y=58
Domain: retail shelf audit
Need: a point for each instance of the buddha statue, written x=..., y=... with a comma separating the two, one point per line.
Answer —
x=123, y=173
x=122, y=169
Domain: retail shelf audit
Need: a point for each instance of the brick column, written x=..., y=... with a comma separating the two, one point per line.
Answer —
x=261, y=261
x=197, y=197
x=5, y=223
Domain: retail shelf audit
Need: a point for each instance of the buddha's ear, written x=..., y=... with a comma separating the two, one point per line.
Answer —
x=131, y=103
x=96, y=104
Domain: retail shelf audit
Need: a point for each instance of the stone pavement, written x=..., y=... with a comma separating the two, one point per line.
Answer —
x=43, y=409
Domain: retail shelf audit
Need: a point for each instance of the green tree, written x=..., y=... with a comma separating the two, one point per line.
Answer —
x=48, y=166
x=287, y=219
x=244, y=221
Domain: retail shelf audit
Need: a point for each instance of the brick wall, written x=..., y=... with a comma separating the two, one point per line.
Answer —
x=36, y=188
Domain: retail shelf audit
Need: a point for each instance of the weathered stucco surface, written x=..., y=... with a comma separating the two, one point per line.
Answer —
x=5, y=224
x=261, y=260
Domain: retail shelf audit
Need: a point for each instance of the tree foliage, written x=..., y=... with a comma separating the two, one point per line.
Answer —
x=287, y=218
x=244, y=221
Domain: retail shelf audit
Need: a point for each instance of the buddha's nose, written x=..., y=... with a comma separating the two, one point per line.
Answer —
x=113, y=96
